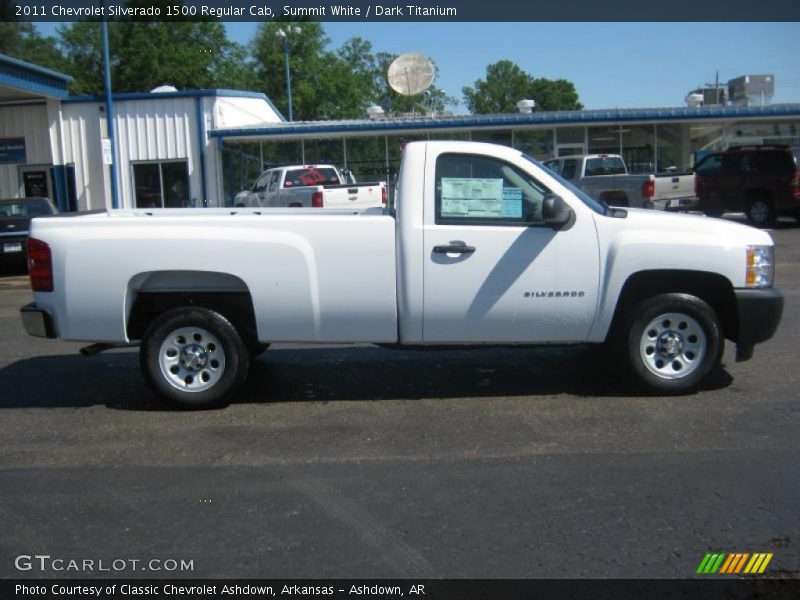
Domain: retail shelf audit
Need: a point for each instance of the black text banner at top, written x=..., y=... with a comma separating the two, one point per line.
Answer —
x=413, y=11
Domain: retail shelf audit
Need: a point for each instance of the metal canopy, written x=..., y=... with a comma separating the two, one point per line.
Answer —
x=361, y=127
x=22, y=81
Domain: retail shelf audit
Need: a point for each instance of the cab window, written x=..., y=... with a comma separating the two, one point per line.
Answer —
x=481, y=190
x=570, y=169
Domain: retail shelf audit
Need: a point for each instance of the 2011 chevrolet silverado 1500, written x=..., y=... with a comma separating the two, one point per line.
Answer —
x=487, y=246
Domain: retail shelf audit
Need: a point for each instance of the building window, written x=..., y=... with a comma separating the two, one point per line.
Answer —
x=604, y=140
x=162, y=184
x=638, y=148
x=672, y=143
x=538, y=143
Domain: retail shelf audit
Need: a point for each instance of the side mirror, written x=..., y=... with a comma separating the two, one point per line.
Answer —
x=555, y=212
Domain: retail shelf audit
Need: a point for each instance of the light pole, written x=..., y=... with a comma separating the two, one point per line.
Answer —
x=284, y=33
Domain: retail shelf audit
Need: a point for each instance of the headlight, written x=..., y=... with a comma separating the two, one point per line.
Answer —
x=760, y=266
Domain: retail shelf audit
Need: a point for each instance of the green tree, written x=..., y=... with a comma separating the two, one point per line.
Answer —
x=20, y=39
x=308, y=63
x=188, y=55
x=506, y=84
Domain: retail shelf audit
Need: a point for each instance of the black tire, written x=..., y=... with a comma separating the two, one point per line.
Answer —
x=204, y=359
x=709, y=211
x=671, y=342
x=760, y=211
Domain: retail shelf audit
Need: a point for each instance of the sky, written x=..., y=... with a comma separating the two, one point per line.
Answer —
x=613, y=65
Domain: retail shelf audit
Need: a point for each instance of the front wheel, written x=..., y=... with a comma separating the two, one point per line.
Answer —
x=672, y=342
x=194, y=357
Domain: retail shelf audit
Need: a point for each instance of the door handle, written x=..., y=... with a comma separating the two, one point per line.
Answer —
x=454, y=249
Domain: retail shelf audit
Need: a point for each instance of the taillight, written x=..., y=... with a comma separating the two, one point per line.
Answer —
x=40, y=265
x=796, y=185
x=316, y=199
x=384, y=196
x=649, y=188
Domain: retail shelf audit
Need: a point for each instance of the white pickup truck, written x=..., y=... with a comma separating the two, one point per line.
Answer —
x=486, y=246
x=605, y=178
x=317, y=186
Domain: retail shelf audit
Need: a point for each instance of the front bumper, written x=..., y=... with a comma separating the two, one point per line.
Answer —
x=37, y=321
x=759, y=313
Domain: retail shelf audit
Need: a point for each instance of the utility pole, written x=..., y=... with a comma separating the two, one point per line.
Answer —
x=284, y=33
x=110, y=115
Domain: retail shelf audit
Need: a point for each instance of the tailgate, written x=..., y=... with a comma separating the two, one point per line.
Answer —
x=358, y=196
x=674, y=186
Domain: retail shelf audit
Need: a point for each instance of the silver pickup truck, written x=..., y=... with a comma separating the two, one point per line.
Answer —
x=317, y=186
x=606, y=179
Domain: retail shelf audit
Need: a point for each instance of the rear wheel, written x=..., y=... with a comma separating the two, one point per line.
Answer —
x=672, y=342
x=760, y=211
x=194, y=357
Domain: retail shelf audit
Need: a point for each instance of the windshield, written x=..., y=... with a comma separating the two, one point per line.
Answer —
x=582, y=196
x=25, y=209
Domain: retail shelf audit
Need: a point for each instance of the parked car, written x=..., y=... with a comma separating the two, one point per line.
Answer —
x=317, y=186
x=763, y=181
x=605, y=178
x=486, y=247
x=15, y=218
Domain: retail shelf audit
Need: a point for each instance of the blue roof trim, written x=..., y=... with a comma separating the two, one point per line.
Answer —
x=541, y=118
x=21, y=75
x=9, y=60
x=218, y=93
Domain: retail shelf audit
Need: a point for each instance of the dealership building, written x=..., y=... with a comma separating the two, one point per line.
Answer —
x=200, y=147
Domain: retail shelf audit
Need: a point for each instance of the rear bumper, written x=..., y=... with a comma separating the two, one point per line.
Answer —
x=13, y=249
x=674, y=204
x=37, y=321
x=760, y=312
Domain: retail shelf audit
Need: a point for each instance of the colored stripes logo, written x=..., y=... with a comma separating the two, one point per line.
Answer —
x=729, y=564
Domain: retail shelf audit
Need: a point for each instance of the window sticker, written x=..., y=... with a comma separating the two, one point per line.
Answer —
x=472, y=198
x=512, y=203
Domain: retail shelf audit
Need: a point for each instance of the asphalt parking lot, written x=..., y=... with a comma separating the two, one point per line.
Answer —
x=364, y=462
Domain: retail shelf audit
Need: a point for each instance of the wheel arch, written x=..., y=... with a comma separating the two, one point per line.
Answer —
x=755, y=193
x=714, y=289
x=152, y=293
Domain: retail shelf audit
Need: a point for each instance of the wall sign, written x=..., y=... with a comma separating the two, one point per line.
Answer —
x=12, y=150
x=35, y=184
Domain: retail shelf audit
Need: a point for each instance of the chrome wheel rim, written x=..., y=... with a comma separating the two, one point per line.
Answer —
x=673, y=346
x=191, y=359
x=759, y=212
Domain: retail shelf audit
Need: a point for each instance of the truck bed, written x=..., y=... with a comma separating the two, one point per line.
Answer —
x=321, y=276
